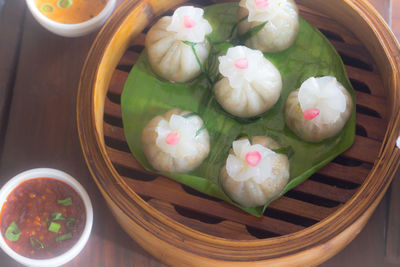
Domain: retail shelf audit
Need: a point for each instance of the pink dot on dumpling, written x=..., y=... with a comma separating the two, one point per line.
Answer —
x=242, y=63
x=311, y=113
x=172, y=138
x=188, y=22
x=253, y=158
x=261, y=3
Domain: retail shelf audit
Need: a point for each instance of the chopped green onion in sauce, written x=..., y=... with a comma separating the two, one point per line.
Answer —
x=64, y=3
x=57, y=216
x=36, y=243
x=63, y=237
x=47, y=8
x=32, y=217
x=65, y=202
x=13, y=233
x=54, y=227
x=70, y=224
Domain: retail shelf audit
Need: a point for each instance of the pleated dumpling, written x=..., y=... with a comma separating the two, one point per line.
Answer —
x=251, y=84
x=254, y=173
x=175, y=142
x=319, y=109
x=168, y=55
x=281, y=28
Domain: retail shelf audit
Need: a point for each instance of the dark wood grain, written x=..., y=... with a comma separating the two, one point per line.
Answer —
x=12, y=16
x=41, y=132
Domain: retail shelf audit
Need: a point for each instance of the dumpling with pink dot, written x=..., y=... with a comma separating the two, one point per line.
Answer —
x=255, y=172
x=175, y=142
x=250, y=83
x=319, y=109
x=281, y=20
x=169, y=53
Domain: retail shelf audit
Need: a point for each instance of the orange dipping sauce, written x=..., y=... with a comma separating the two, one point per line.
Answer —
x=70, y=11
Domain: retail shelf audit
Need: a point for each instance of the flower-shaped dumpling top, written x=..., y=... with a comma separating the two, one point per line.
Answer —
x=282, y=23
x=189, y=25
x=249, y=162
x=251, y=84
x=168, y=55
x=177, y=136
x=176, y=141
x=319, y=109
x=253, y=173
x=266, y=10
x=241, y=65
x=321, y=100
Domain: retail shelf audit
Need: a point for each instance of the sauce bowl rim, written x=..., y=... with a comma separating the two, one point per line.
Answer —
x=38, y=173
x=71, y=30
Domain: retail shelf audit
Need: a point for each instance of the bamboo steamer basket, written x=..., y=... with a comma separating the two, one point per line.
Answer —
x=308, y=225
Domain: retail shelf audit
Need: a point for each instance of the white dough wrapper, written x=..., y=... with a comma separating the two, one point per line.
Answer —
x=169, y=57
x=173, y=143
x=281, y=29
x=319, y=109
x=251, y=84
x=254, y=174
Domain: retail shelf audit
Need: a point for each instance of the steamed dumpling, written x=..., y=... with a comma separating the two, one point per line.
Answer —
x=282, y=23
x=251, y=84
x=253, y=173
x=168, y=55
x=176, y=141
x=319, y=109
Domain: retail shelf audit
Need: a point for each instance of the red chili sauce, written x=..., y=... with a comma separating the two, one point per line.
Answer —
x=42, y=218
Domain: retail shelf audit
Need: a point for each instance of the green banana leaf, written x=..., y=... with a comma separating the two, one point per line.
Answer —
x=145, y=96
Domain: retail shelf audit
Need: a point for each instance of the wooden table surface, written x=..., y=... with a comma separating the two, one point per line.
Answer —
x=39, y=75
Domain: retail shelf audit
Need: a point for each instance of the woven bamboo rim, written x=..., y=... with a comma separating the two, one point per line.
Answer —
x=174, y=243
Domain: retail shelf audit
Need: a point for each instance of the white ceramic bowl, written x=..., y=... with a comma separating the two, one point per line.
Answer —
x=72, y=30
x=66, y=178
